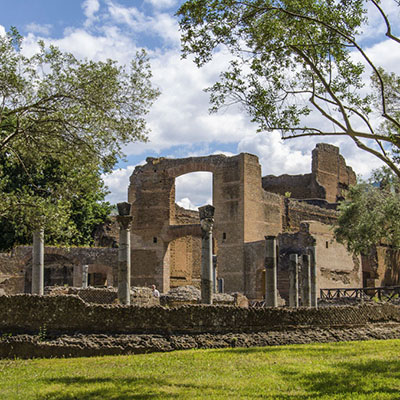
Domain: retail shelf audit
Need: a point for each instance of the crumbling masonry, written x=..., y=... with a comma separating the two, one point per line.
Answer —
x=166, y=239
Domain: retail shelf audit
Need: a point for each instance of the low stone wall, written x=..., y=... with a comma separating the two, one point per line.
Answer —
x=70, y=314
x=140, y=296
x=80, y=345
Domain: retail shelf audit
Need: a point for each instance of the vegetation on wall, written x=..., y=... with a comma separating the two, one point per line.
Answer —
x=370, y=215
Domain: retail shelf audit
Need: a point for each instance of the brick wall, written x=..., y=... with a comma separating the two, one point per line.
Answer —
x=68, y=314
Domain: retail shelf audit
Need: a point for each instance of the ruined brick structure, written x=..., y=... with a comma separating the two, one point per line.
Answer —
x=63, y=266
x=381, y=267
x=165, y=238
x=329, y=178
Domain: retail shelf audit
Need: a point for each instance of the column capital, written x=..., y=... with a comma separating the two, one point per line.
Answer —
x=206, y=218
x=124, y=221
x=124, y=208
x=207, y=212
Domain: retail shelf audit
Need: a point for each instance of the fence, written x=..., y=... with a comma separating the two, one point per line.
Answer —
x=384, y=293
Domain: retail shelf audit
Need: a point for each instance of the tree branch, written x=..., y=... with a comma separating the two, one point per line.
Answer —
x=387, y=22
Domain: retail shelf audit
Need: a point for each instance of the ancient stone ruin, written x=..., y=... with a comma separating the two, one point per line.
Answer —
x=297, y=210
x=257, y=243
x=166, y=239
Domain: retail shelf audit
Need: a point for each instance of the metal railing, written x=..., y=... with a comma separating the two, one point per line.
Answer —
x=383, y=293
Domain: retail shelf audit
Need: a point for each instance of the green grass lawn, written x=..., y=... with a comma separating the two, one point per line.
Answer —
x=354, y=370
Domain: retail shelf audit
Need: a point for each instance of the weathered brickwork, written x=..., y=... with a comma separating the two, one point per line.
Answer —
x=159, y=229
x=166, y=239
x=381, y=267
x=329, y=178
x=69, y=314
x=63, y=266
x=335, y=266
x=297, y=211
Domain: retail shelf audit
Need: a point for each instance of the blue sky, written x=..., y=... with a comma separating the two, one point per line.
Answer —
x=180, y=123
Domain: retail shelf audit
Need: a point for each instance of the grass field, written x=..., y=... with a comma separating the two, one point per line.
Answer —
x=354, y=370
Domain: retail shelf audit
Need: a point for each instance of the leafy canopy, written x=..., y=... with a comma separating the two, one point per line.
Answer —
x=63, y=122
x=293, y=62
x=370, y=215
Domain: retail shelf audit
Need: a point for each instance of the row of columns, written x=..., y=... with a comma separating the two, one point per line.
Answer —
x=124, y=220
x=307, y=290
x=38, y=265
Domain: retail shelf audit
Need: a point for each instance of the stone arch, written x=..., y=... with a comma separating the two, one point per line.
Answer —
x=236, y=197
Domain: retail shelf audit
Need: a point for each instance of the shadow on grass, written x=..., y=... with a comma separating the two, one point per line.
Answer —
x=346, y=380
x=354, y=375
x=349, y=379
x=370, y=379
x=294, y=348
x=83, y=388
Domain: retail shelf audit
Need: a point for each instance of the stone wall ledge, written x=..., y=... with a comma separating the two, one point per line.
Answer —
x=31, y=346
x=70, y=314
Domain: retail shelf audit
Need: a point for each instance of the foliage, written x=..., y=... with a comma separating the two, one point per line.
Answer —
x=63, y=122
x=293, y=62
x=354, y=370
x=72, y=219
x=370, y=215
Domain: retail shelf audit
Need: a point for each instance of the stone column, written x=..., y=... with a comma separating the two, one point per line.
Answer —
x=215, y=285
x=294, y=280
x=314, y=294
x=124, y=253
x=306, y=269
x=38, y=262
x=206, y=223
x=85, y=276
x=271, y=293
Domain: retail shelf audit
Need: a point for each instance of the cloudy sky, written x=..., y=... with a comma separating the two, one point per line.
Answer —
x=180, y=123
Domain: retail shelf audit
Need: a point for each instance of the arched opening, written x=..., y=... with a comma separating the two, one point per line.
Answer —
x=193, y=190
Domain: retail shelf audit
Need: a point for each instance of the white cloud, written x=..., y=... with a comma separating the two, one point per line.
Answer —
x=132, y=17
x=161, y=4
x=385, y=54
x=167, y=28
x=39, y=29
x=276, y=157
x=83, y=44
x=180, y=116
x=187, y=204
x=90, y=8
x=117, y=183
x=2, y=30
x=193, y=190
x=162, y=25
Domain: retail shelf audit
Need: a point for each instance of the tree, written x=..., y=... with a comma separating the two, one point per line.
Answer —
x=63, y=122
x=72, y=219
x=295, y=60
x=370, y=215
